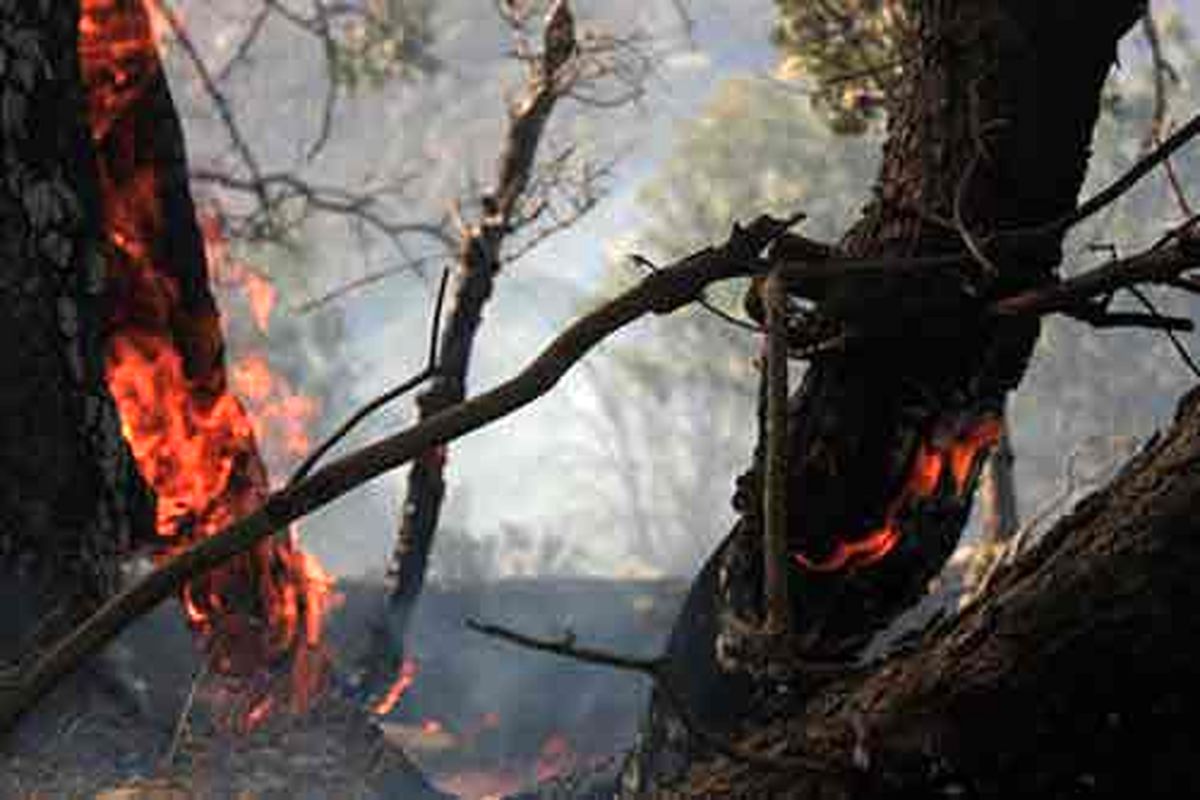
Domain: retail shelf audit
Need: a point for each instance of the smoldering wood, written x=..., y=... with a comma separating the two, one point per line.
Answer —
x=993, y=77
x=1065, y=678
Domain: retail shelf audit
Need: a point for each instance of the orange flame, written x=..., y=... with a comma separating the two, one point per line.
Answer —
x=193, y=440
x=404, y=681
x=229, y=271
x=925, y=476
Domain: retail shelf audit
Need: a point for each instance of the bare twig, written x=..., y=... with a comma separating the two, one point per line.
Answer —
x=329, y=49
x=1162, y=264
x=1162, y=71
x=807, y=273
x=1184, y=354
x=1121, y=185
x=185, y=713
x=274, y=190
x=702, y=301
x=383, y=399
x=411, y=266
x=658, y=670
x=219, y=101
x=661, y=293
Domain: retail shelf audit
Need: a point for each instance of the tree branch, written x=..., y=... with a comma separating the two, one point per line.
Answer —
x=657, y=669
x=660, y=293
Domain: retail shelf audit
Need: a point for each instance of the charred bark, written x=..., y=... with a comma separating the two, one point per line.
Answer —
x=71, y=500
x=479, y=262
x=990, y=134
x=1070, y=676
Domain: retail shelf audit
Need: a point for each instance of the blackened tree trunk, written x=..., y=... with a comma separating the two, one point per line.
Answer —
x=990, y=132
x=1071, y=676
x=71, y=499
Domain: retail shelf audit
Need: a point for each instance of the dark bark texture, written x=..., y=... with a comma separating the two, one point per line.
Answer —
x=479, y=260
x=1071, y=676
x=71, y=499
x=990, y=133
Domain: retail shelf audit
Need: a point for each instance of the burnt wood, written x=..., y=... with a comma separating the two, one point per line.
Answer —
x=991, y=127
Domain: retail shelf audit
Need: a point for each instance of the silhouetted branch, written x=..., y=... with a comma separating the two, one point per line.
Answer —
x=274, y=190
x=661, y=293
x=657, y=669
x=383, y=399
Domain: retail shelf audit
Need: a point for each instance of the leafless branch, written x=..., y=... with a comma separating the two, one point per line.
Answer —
x=1121, y=185
x=661, y=293
x=702, y=301
x=405, y=265
x=1162, y=72
x=1161, y=264
x=1184, y=354
x=657, y=669
x=401, y=389
x=219, y=101
x=276, y=191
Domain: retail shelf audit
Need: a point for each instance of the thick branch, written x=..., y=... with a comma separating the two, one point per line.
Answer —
x=661, y=293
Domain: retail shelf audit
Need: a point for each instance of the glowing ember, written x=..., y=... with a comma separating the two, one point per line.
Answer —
x=958, y=454
x=193, y=440
x=404, y=681
x=557, y=757
x=482, y=784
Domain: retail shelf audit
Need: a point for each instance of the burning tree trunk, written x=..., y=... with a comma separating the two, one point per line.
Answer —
x=192, y=438
x=71, y=500
x=1067, y=678
x=108, y=291
x=890, y=429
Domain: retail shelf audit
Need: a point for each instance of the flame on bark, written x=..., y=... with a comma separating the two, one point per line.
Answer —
x=193, y=439
x=937, y=459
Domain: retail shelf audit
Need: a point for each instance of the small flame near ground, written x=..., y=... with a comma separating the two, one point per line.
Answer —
x=194, y=440
x=403, y=682
x=459, y=763
x=957, y=452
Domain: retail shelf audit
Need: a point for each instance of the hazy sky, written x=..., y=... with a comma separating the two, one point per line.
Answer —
x=522, y=470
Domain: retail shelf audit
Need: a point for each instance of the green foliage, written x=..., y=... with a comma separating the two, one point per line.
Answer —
x=853, y=51
x=390, y=41
x=758, y=147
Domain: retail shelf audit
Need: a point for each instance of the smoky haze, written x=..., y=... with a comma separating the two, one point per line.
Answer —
x=613, y=474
